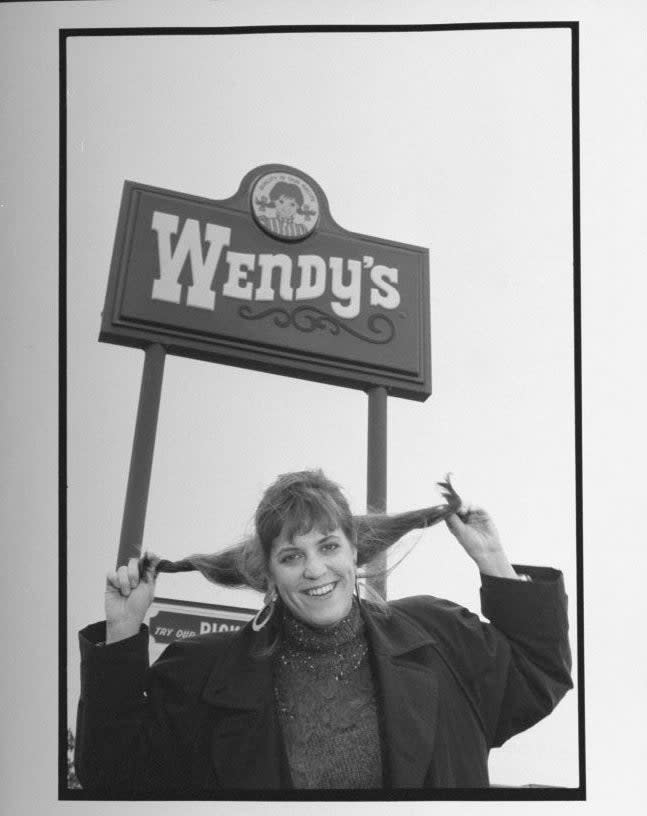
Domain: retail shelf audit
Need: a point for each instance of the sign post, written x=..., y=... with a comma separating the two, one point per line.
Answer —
x=265, y=280
x=376, y=461
x=141, y=459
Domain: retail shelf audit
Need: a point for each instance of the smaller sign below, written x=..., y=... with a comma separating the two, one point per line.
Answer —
x=171, y=620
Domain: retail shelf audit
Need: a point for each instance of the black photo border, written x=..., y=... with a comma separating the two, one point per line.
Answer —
x=434, y=794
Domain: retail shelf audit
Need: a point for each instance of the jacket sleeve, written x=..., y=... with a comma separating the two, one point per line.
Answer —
x=135, y=726
x=516, y=668
x=530, y=621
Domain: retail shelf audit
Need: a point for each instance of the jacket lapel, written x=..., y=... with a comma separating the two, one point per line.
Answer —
x=408, y=691
x=247, y=750
x=246, y=746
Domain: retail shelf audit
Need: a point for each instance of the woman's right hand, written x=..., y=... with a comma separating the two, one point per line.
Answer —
x=127, y=600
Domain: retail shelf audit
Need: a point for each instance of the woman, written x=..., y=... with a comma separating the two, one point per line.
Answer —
x=321, y=690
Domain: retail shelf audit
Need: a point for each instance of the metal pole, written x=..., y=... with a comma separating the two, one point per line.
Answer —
x=376, y=470
x=141, y=460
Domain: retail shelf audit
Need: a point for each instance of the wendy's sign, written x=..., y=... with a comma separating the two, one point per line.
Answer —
x=267, y=280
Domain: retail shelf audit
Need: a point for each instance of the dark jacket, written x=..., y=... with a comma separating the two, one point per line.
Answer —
x=450, y=688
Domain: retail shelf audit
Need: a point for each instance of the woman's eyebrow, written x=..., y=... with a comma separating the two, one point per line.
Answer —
x=285, y=548
x=326, y=537
x=291, y=546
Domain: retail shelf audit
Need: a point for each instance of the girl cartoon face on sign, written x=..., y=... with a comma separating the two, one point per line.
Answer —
x=287, y=199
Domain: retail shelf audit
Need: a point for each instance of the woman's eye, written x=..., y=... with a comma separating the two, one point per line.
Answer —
x=290, y=557
x=331, y=545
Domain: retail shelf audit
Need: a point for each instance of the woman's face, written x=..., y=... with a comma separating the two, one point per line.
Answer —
x=314, y=574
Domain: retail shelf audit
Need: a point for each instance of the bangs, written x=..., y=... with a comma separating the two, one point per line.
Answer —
x=303, y=513
x=300, y=502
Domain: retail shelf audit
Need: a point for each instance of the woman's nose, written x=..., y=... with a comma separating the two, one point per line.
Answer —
x=314, y=568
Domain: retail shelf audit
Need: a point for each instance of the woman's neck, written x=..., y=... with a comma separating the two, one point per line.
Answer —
x=301, y=636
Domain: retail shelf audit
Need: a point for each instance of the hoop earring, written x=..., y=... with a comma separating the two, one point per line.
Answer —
x=359, y=597
x=258, y=621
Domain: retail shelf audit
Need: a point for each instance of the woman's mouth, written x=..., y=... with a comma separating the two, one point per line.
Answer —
x=320, y=591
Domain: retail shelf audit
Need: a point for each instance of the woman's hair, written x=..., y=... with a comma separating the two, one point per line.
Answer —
x=299, y=502
x=295, y=504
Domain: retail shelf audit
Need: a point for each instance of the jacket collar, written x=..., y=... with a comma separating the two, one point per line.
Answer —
x=247, y=751
x=404, y=659
x=247, y=747
x=240, y=680
x=393, y=633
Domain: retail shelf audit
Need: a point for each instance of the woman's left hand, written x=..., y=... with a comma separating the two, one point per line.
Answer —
x=477, y=534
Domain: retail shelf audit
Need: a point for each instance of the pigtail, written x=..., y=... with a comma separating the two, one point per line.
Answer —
x=376, y=532
x=244, y=564
x=239, y=566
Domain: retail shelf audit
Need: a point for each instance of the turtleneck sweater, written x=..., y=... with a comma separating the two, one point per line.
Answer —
x=326, y=703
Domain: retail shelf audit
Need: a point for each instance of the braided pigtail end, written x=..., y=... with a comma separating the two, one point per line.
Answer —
x=232, y=567
x=376, y=532
x=450, y=495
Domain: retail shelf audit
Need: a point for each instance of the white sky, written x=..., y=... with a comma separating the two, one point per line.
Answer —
x=456, y=141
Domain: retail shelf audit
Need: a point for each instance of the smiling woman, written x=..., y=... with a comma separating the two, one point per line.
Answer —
x=306, y=532
x=314, y=574
x=322, y=690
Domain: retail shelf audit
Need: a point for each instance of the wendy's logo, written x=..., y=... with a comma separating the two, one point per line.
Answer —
x=285, y=206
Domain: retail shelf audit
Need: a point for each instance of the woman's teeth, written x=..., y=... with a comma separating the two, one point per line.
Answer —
x=322, y=590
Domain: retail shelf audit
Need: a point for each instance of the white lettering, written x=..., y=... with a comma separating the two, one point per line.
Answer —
x=237, y=285
x=167, y=287
x=183, y=634
x=268, y=263
x=202, y=293
x=350, y=292
x=248, y=281
x=313, y=277
x=385, y=295
x=207, y=627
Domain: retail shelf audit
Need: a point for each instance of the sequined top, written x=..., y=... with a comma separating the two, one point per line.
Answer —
x=327, y=706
